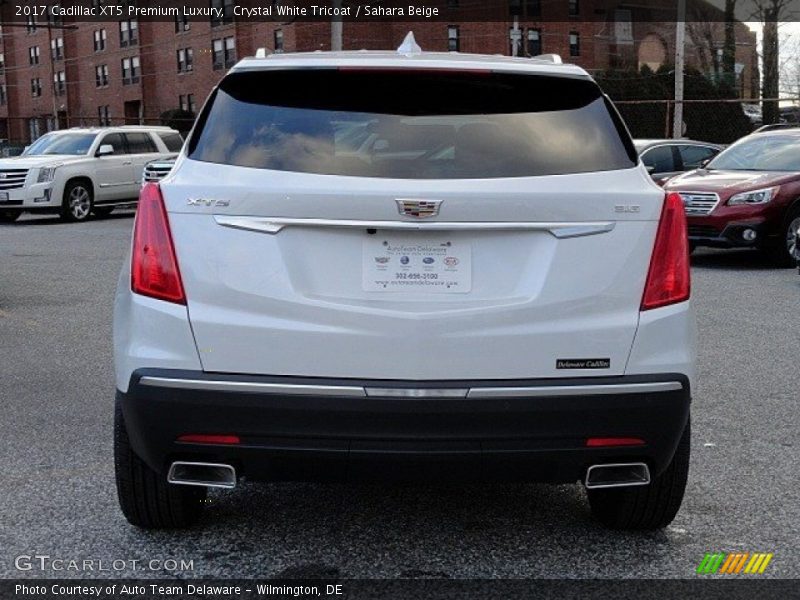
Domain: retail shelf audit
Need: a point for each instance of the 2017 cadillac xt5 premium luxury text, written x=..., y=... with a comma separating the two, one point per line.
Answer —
x=408, y=265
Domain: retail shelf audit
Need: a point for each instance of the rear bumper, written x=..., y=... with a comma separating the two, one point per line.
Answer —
x=320, y=429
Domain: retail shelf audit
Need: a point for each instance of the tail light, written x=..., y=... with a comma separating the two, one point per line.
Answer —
x=154, y=268
x=668, y=280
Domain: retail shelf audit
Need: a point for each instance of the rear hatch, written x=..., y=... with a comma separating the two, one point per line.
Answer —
x=411, y=225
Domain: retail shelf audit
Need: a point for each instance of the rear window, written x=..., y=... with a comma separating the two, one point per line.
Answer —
x=411, y=124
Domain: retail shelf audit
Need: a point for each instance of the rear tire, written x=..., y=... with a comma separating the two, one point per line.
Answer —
x=9, y=216
x=145, y=497
x=646, y=507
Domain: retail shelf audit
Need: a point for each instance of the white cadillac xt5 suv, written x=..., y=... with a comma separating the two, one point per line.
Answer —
x=405, y=266
x=80, y=171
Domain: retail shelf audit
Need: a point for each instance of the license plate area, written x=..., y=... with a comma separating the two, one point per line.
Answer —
x=412, y=264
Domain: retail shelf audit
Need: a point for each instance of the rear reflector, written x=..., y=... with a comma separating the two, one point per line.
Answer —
x=668, y=280
x=608, y=442
x=201, y=438
x=154, y=268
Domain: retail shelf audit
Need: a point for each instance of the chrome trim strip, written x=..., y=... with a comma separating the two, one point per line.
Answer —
x=296, y=389
x=417, y=392
x=275, y=224
x=246, y=386
x=108, y=185
x=574, y=390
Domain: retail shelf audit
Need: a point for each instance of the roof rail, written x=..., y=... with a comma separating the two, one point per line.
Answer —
x=553, y=58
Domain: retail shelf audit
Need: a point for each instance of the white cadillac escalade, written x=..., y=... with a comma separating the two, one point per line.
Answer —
x=77, y=172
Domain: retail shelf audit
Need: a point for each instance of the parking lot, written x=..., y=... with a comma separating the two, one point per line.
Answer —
x=58, y=497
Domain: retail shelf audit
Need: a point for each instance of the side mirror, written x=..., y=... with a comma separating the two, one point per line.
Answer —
x=25, y=149
x=703, y=163
x=105, y=150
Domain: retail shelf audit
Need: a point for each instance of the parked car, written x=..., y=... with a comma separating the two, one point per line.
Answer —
x=451, y=298
x=748, y=196
x=667, y=158
x=156, y=170
x=776, y=127
x=79, y=171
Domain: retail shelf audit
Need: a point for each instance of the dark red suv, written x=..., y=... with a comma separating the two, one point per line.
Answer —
x=747, y=196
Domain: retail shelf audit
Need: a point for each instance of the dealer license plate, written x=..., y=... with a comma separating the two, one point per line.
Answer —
x=398, y=264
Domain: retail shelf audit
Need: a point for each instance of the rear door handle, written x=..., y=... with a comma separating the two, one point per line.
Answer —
x=128, y=163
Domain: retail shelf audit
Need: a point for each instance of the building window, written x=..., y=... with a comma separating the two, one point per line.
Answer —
x=59, y=83
x=533, y=8
x=128, y=33
x=99, y=40
x=57, y=48
x=33, y=55
x=3, y=93
x=36, y=87
x=101, y=75
x=187, y=103
x=574, y=8
x=534, y=47
x=224, y=53
x=453, y=42
x=30, y=25
x=185, y=60
x=574, y=43
x=227, y=12
x=130, y=70
x=182, y=24
x=278, y=39
x=104, y=116
x=2, y=62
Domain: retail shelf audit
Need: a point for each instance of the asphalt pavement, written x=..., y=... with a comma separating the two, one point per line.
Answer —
x=57, y=495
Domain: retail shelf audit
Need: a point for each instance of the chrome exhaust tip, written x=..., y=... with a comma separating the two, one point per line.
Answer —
x=210, y=475
x=617, y=475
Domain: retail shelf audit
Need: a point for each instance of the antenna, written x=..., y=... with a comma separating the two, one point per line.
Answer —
x=409, y=45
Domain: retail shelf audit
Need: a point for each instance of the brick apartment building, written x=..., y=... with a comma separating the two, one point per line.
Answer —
x=55, y=75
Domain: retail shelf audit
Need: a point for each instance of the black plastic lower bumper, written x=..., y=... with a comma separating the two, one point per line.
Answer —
x=315, y=436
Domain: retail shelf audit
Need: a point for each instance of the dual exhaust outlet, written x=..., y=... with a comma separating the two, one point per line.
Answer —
x=218, y=475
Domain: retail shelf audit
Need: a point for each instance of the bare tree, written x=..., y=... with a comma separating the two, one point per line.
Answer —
x=769, y=12
x=729, y=47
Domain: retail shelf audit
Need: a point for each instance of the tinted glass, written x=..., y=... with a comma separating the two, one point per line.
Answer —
x=76, y=144
x=173, y=141
x=411, y=125
x=659, y=160
x=693, y=156
x=115, y=139
x=761, y=153
x=140, y=143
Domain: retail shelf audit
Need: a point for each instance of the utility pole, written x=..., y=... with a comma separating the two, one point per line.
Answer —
x=680, y=36
x=336, y=28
